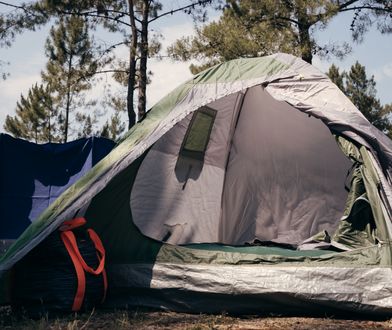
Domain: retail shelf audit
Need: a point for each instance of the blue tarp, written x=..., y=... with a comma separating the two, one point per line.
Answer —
x=33, y=175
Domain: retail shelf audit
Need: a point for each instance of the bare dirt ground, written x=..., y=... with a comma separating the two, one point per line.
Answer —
x=170, y=320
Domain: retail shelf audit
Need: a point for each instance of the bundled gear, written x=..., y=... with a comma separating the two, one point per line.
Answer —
x=65, y=272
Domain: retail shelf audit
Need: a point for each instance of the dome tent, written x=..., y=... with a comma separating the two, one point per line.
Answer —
x=264, y=150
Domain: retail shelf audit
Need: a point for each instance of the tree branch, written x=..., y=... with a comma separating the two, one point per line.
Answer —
x=111, y=47
x=383, y=9
x=107, y=71
x=13, y=6
x=346, y=4
x=25, y=9
x=92, y=14
x=171, y=12
x=287, y=19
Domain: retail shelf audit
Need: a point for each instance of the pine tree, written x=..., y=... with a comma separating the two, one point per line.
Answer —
x=87, y=124
x=336, y=77
x=44, y=116
x=114, y=127
x=129, y=18
x=69, y=50
x=249, y=28
x=36, y=117
x=361, y=90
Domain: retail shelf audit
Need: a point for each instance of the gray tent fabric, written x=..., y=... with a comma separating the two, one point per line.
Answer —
x=285, y=176
x=279, y=177
x=158, y=193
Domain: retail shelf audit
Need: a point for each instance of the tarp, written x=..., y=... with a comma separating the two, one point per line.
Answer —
x=33, y=175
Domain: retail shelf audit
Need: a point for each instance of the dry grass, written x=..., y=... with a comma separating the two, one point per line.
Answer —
x=170, y=320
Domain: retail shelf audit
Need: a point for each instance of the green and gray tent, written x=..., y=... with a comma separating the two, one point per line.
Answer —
x=256, y=186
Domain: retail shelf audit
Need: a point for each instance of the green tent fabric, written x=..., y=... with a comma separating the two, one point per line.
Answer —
x=230, y=196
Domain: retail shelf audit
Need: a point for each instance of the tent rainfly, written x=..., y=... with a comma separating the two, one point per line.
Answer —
x=255, y=187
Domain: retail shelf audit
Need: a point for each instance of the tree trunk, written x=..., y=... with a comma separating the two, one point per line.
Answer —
x=68, y=100
x=306, y=45
x=305, y=42
x=132, y=67
x=50, y=128
x=143, y=61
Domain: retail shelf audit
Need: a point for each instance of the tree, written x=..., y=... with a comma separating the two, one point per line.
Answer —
x=361, y=90
x=250, y=28
x=337, y=77
x=141, y=13
x=130, y=18
x=87, y=127
x=114, y=127
x=369, y=13
x=35, y=117
x=70, y=59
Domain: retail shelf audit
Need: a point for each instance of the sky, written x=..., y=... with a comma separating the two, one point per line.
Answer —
x=26, y=59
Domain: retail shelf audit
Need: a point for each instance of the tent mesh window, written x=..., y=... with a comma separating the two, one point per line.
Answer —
x=198, y=134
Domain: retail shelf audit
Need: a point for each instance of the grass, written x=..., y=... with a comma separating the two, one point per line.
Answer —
x=142, y=319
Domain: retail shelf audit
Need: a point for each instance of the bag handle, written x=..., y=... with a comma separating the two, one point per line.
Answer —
x=70, y=243
x=69, y=240
x=72, y=224
x=81, y=287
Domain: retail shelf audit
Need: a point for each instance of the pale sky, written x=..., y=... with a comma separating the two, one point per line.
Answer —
x=27, y=59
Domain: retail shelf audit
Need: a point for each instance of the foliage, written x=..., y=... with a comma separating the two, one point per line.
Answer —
x=361, y=90
x=249, y=28
x=36, y=117
x=129, y=19
x=70, y=60
x=114, y=127
x=370, y=13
